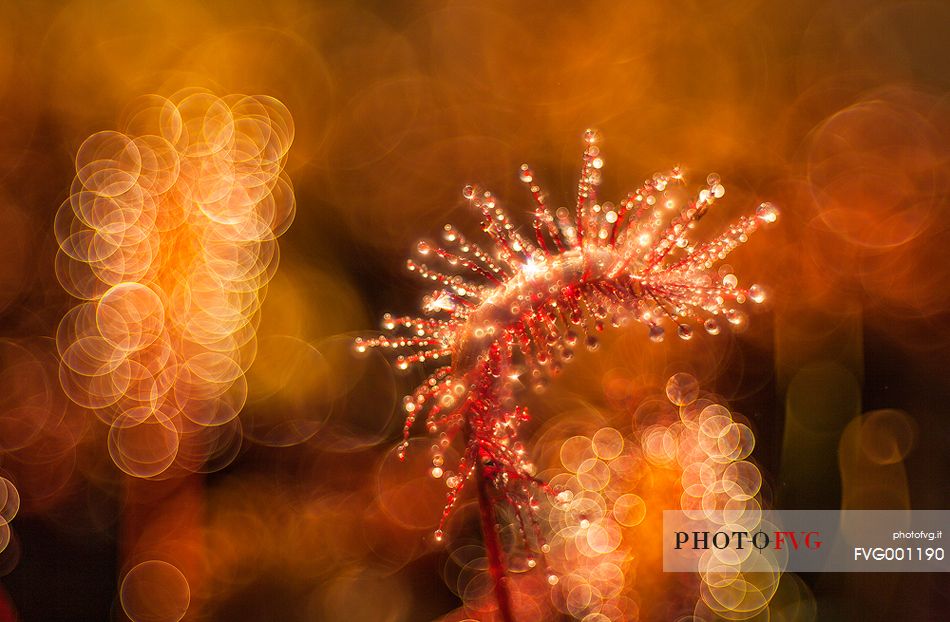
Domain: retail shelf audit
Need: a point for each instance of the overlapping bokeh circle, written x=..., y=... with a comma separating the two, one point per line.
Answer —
x=169, y=239
x=9, y=506
x=688, y=452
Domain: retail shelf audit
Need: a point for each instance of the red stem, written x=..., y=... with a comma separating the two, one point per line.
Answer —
x=496, y=564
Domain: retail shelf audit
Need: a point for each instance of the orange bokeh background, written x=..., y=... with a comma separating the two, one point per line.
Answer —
x=836, y=111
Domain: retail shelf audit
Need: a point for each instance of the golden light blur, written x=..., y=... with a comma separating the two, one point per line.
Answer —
x=172, y=448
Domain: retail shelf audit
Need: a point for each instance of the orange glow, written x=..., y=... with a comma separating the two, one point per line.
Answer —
x=170, y=237
x=178, y=388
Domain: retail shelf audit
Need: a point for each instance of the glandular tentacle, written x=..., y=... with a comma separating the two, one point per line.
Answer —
x=520, y=309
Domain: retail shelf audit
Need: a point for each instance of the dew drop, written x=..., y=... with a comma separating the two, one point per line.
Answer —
x=439, y=535
x=469, y=192
x=685, y=332
x=711, y=326
x=656, y=333
x=757, y=294
x=767, y=212
x=592, y=343
x=526, y=175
